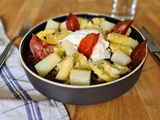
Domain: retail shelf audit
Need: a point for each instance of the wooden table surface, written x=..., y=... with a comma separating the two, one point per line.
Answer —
x=140, y=102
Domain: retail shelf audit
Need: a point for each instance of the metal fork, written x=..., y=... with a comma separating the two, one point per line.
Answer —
x=27, y=24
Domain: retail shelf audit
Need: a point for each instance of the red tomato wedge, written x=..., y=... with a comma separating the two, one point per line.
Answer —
x=39, y=48
x=122, y=27
x=138, y=54
x=72, y=23
x=87, y=44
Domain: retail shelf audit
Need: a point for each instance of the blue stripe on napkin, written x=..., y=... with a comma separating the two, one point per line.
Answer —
x=32, y=107
x=18, y=99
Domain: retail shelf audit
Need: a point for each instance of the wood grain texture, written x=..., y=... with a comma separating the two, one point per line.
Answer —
x=142, y=102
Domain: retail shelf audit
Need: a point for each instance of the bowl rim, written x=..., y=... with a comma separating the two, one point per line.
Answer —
x=76, y=86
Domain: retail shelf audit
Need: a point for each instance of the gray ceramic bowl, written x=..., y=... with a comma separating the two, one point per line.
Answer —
x=80, y=95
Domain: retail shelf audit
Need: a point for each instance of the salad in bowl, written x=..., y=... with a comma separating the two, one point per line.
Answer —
x=81, y=51
x=83, y=58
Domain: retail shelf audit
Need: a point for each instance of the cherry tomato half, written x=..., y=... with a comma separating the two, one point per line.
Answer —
x=87, y=44
x=122, y=27
x=39, y=48
x=72, y=23
x=138, y=54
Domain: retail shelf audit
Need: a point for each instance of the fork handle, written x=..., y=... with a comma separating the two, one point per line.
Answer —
x=6, y=50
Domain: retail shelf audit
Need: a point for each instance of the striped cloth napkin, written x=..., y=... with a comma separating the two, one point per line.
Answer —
x=18, y=99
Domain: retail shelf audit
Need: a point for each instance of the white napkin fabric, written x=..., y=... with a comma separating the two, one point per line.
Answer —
x=18, y=98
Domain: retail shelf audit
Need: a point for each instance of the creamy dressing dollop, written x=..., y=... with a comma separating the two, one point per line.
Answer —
x=100, y=50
